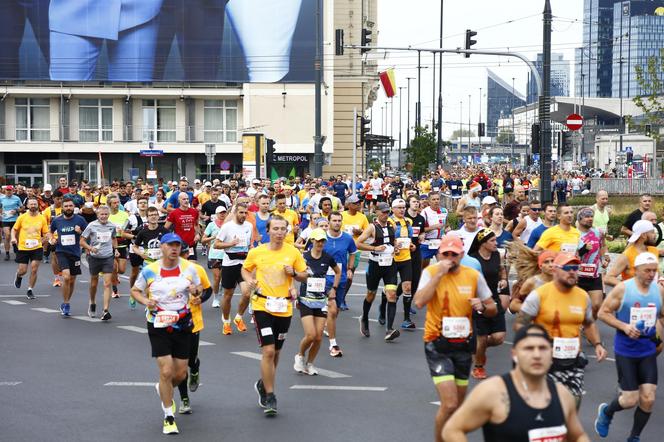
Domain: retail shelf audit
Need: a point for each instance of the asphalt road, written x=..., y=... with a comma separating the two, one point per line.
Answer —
x=77, y=380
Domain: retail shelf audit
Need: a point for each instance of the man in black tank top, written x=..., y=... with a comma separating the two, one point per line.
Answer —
x=523, y=405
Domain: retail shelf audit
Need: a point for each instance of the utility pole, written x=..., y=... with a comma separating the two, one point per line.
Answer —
x=433, y=98
x=545, y=108
x=460, y=125
x=418, y=106
x=318, y=137
x=439, y=127
x=469, y=126
x=400, y=125
x=479, y=121
x=408, y=117
x=513, y=132
x=391, y=124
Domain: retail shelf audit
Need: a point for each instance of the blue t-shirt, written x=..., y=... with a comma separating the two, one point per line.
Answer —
x=261, y=227
x=642, y=310
x=339, y=248
x=173, y=199
x=504, y=237
x=340, y=191
x=455, y=186
x=535, y=235
x=68, y=238
x=10, y=206
x=471, y=262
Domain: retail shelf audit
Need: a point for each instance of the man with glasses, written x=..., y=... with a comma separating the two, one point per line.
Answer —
x=9, y=206
x=562, y=309
x=451, y=292
x=525, y=228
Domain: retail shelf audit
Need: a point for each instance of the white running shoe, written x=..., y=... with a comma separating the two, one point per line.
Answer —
x=215, y=302
x=299, y=365
x=311, y=370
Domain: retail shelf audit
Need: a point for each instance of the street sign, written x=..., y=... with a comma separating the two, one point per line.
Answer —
x=210, y=160
x=152, y=153
x=210, y=149
x=225, y=165
x=151, y=174
x=574, y=122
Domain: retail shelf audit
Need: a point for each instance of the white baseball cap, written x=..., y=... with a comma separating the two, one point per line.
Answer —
x=398, y=202
x=489, y=200
x=48, y=188
x=645, y=258
x=221, y=208
x=197, y=181
x=207, y=183
x=639, y=228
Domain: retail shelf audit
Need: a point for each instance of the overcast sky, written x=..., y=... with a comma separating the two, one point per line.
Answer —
x=514, y=25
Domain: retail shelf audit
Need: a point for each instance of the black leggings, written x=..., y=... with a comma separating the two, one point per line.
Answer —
x=194, y=364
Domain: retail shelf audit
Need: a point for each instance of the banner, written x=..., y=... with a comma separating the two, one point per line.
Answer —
x=388, y=82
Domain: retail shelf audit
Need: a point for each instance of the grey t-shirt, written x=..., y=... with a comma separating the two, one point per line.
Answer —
x=100, y=236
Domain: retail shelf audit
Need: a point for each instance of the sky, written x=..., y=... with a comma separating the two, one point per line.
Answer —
x=514, y=25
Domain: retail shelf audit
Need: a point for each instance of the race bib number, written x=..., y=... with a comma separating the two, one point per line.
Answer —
x=349, y=229
x=191, y=251
x=68, y=240
x=456, y=327
x=316, y=285
x=436, y=189
x=165, y=318
x=646, y=314
x=587, y=270
x=31, y=243
x=154, y=254
x=385, y=260
x=550, y=434
x=276, y=305
x=403, y=243
x=565, y=348
x=442, y=218
x=242, y=241
x=416, y=232
x=434, y=244
x=568, y=248
x=103, y=236
x=453, y=187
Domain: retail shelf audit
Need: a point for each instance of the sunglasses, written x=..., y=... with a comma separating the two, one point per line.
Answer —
x=450, y=254
x=536, y=209
x=570, y=267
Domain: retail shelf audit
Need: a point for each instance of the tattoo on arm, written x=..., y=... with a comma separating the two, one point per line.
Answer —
x=505, y=400
x=522, y=319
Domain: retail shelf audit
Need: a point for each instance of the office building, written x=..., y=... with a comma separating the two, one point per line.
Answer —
x=560, y=77
x=501, y=99
x=592, y=70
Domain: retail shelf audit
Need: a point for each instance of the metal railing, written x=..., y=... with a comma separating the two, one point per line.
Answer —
x=626, y=186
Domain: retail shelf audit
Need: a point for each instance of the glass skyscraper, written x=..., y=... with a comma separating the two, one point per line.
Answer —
x=501, y=99
x=560, y=76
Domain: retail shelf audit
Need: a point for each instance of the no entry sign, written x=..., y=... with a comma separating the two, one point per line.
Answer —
x=574, y=122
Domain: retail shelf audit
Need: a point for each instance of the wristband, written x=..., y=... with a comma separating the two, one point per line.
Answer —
x=335, y=288
x=599, y=343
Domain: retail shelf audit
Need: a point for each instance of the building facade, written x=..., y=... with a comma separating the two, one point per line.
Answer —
x=560, y=77
x=502, y=98
x=593, y=61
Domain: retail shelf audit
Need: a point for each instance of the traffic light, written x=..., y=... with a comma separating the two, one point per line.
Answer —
x=567, y=143
x=648, y=130
x=366, y=40
x=339, y=42
x=469, y=40
x=535, y=138
x=481, y=129
x=365, y=128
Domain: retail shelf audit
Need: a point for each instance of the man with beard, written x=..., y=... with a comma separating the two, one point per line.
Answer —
x=69, y=228
x=27, y=237
x=642, y=240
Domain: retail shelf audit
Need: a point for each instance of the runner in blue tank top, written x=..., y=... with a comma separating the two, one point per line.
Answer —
x=633, y=308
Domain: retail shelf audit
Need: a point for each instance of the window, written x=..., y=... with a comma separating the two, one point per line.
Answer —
x=158, y=120
x=220, y=121
x=32, y=119
x=95, y=120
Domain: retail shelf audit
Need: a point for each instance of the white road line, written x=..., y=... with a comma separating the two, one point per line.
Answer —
x=14, y=302
x=336, y=387
x=85, y=318
x=376, y=320
x=321, y=371
x=45, y=310
x=21, y=296
x=206, y=343
x=133, y=328
x=130, y=384
x=595, y=357
x=435, y=403
x=10, y=383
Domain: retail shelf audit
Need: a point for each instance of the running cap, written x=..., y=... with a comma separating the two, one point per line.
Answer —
x=639, y=228
x=220, y=209
x=547, y=254
x=197, y=181
x=645, y=258
x=586, y=212
x=318, y=235
x=489, y=200
x=171, y=238
x=398, y=202
x=530, y=330
x=208, y=184
x=353, y=199
x=383, y=207
x=48, y=188
x=566, y=258
x=451, y=243
x=475, y=187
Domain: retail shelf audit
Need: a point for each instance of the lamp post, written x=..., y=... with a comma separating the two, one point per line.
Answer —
x=408, y=114
x=400, y=126
x=513, y=133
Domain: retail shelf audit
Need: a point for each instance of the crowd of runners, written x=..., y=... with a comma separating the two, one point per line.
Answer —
x=471, y=246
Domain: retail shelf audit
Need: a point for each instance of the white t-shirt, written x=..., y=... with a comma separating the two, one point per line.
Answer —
x=376, y=185
x=131, y=206
x=466, y=236
x=228, y=233
x=431, y=218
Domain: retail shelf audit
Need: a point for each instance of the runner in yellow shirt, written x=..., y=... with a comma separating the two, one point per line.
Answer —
x=289, y=215
x=28, y=235
x=354, y=223
x=561, y=238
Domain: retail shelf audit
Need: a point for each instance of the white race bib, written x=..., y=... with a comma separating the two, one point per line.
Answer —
x=276, y=305
x=403, y=243
x=242, y=241
x=31, y=243
x=315, y=285
x=154, y=253
x=103, y=236
x=568, y=248
x=349, y=229
x=436, y=189
x=456, y=327
x=646, y=314
x=434, y=244
x=385, y=260
x=550, y=434
x=453, y=187
x=587, y=270
x=165, y=318
x=416, y=231
x=566, y=348
x=68, y=240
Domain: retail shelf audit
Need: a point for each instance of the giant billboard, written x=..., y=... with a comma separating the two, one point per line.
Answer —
x=158, y=40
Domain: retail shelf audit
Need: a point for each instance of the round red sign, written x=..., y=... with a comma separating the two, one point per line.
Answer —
x=574, y=122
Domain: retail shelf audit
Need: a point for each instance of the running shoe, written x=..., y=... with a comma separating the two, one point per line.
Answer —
x=343, y=307
x=47, y=260
x=17, y=281
x=7, y=257
x=335, y=351
x=30, y=295
x=479, y=372
x=67, y=309
x=106, y=316
x=194, y=380
x=57, y=282
x=227, y=330
x=391, y=335
x=311, y=370
x=634, y=439
x=381, y=318
x=239, y=324
x=92, y=310
x=115, y=292
x=364, y=327
x=413, y=311
x=215, y=302
x=62, y=309
x=132, y=303
x=169, y=425
x=270, y=405
x=299, y=366
x=185, y=408
x=602, y=421
x=260, y=391
x=408, y=325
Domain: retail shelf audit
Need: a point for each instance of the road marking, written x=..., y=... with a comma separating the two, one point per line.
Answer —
x=595, y=357
x=376, y=320
x=129, y=384
x=20, y=296
x=336, y=388
x=133, y=328
x=45, y=310
x=435, y=403
x=10, y=383
x=206, y=343
x=85, y=318
x=14, y=302
x=321, y=371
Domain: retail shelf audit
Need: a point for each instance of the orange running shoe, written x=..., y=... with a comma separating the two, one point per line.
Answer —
x=479, y=372
x=239, y=323
x=227, y=328
x=57, y=282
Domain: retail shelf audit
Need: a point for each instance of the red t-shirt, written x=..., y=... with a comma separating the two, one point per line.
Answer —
x=64, y=190
x=184, y=223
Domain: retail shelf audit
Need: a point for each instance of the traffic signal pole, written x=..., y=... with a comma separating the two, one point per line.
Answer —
x=545, y=110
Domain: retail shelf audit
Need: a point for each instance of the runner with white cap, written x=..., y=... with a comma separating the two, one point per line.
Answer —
x=642, y=240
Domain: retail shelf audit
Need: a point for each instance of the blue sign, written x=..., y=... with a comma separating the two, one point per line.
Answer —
x=152, y=153
x=225, y=165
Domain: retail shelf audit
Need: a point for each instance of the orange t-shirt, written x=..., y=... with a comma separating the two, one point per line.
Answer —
x=631, y=253
x=561, y=314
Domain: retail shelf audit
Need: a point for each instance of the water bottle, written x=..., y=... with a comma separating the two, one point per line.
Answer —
x=641, y=325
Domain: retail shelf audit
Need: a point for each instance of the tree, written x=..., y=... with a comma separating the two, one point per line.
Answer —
x=505, y=136
x=422, y=151
x=375, y=164
x=651, y=100
x=464, y=134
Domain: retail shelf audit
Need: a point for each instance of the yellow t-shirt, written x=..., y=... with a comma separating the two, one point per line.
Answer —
x=293, y=219
x=50, y=211
x=302, y=194
x=558, y=240
x=196, y=310
x=203, y=197
x=272, y=279
x=31, y=230
x=357, y=221
x=404, y=252
x=425, y=186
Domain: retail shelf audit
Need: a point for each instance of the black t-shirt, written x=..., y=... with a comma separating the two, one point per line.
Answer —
x=418, y=227
x=632, y=218
x=490, y=270
x=150, y=239
x=210, y=207
x=319, y=268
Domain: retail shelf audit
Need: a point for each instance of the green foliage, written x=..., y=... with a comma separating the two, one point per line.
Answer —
x=422, y=151
x=616, y=246
x=464, y=134
x=375, y=164
x=651, y=81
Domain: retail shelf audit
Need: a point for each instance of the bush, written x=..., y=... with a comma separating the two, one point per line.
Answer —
x=616, y=246
x=615, y=222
